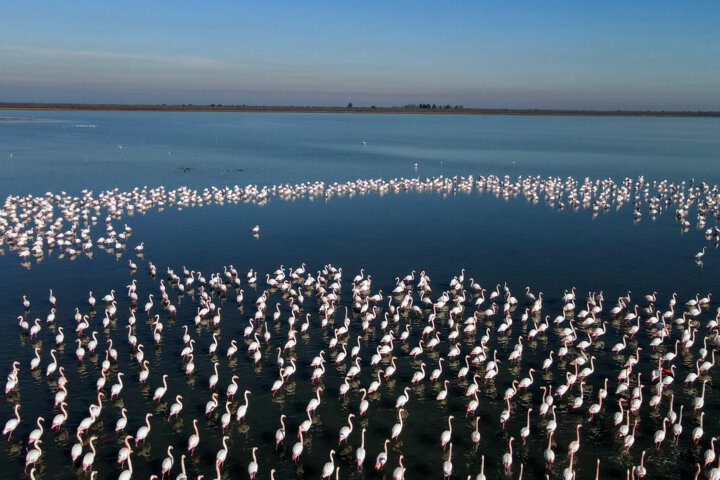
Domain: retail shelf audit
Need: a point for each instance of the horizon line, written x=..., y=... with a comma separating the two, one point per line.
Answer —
x=422, y=108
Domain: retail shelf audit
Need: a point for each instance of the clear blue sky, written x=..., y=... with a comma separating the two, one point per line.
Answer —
x=555, y=54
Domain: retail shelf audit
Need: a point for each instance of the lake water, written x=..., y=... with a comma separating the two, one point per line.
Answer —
x=495, y=239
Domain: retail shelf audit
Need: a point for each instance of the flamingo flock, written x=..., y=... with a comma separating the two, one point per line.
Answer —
x=488, y=350
x=35, y=226
x=312, y=373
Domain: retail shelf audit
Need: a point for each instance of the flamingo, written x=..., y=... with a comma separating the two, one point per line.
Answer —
x=403, y=398
x=190, y=367
x=329, y=467
x=525, y=432
x=630, y=439
x=214, y=377
x=314, y=402
x=194, y=439
x=176, y=407
x=144, y=373
x=160, y=391
x=481, y=475
x=12, y=378
x=143, y=431
x=447, y=464
x=37, y=433
x=77, y=448
x=280, y=432
x=242, y=409
x=447, y=434
x=182, y=475
x=549, y=454
x=222, y=454
x=298, y=447
x=709, y=455
x=52, y=366
x=253, y=467
x=212, y=404
x=168, y=462
x=89, y=457
x=442, y=395
x=225, y=419
x=232, y=349
x=34, y=455
x=575, y=444
x=360, y=452
x=399, y=472
x=12, y=424
x=660, y=434
x=475, y=435
x=60, y=418
x=382, y=457
x=117, y=388
x=677, y=427
x=363, y=403
x=569, y=473
x=346, y=430
x=127, y=474
x=640, y=470
x=397, y=428
x=232, y=388
x=698, y=432
x=507, y=457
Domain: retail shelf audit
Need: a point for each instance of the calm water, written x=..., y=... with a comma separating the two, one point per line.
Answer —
x=495, y=240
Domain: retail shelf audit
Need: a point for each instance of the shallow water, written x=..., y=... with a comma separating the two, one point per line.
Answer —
x=102, y=150
x=495, y=240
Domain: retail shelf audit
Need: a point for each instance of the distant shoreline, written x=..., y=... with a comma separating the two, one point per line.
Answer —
x=20, y=119
x=387, y=110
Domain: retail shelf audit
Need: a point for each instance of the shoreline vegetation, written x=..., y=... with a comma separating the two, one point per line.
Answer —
x=424, y=109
